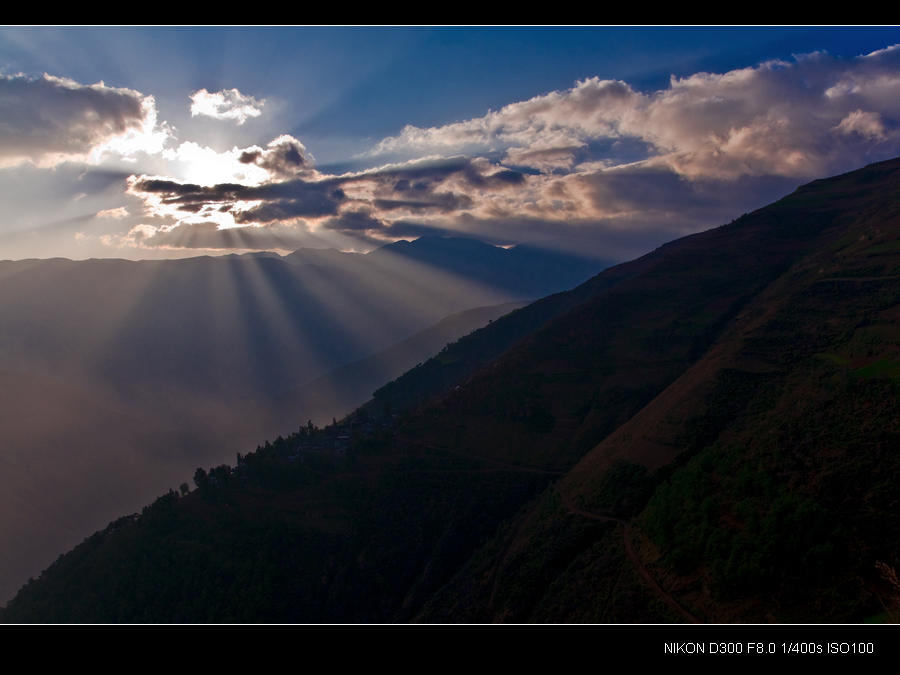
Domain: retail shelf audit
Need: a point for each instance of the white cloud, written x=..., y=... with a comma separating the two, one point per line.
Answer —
x=867, y=124
x=120, y=212
x=150, y=138
x=229, y=104
x=559, y=120
x=799, y=119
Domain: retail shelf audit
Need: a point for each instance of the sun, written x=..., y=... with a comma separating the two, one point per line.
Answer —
x=204, y=166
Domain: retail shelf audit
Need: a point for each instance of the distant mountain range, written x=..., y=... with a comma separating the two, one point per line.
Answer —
x=708, y=433
x=120, y=376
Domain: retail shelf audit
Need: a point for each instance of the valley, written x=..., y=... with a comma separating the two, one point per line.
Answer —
x=121, y=377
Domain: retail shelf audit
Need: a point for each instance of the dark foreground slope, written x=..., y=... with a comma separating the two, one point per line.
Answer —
x=733, y=396
x=762, y=483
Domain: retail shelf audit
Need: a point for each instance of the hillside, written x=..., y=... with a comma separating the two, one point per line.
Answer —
x=761, y=482
x=733, y=396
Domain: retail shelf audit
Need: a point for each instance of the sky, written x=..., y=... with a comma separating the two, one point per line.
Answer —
x=174, y=142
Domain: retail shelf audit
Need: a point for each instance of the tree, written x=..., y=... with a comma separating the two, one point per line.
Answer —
x=201, y=479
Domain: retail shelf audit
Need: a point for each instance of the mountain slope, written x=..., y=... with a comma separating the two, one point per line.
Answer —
x=736, y=398
x=782, y=498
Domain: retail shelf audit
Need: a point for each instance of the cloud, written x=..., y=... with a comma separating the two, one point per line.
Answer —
x=230, y=204
x=150, y=137
x=802, y=119
x=867, y=124
x=228, y=104
x=48, y=120
x=444, y=202
x=354, y=221
x=358, y=225
x=555, y=120
x=285, y=157
x=314, y=196
x=362, y=226
x=305, y=201
x=117, y=213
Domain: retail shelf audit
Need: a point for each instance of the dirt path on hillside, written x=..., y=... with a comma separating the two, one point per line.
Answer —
x=639, y=565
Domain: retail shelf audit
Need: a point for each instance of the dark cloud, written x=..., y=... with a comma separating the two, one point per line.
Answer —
x=50, y=116
x=443, y=202
x=424, y=169
x=312, y=205
x=172, y=189
x=422, y=176
x=658, y=193
x=363, y=227
x=299, y=197
x=191, y=208
x=426, y=174
x=353, y=222
x=640, y=188
x=401, y=229
x=281, y=201
x=285, y=157
x=509, y=177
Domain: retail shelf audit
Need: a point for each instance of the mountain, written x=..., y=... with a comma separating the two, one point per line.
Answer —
x=719, y=416
x=121, y=377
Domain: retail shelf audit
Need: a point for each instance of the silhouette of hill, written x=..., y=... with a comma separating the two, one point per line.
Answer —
x=732, y=398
